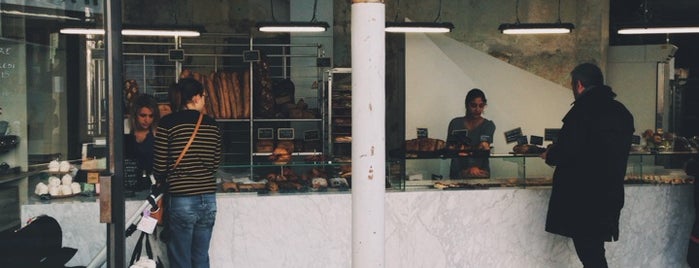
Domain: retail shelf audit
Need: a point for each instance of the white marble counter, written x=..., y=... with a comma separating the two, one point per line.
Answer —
x=476, y=228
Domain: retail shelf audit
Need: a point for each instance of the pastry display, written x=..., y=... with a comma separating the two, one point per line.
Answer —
x=528, y=149
x=264, y=146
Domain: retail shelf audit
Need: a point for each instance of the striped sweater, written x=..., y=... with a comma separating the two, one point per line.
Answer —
x=195, y=173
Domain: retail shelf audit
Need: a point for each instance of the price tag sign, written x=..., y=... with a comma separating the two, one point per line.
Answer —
x=286, y=133
x=551, y=134
x=537, y=140
x=522, y=140
x=265, y=133
x=636, y=139
x=513, y=135
x=93, y=177
x=421, y=133
x=311, y=135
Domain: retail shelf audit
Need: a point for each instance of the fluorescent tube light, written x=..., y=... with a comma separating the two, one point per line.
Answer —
x=659, y=30
x=419, y=27
x=288, y=27
x=133, y=32
x=536, y=28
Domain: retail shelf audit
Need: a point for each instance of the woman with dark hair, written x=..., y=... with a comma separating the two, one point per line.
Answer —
x=143, y=119
x=187, y=155
x=477, y=129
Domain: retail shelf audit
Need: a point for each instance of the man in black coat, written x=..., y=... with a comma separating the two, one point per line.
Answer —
x=590, y=156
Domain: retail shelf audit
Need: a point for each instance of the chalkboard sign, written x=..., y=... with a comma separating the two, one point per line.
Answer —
x=11, y=64
x=551, y=134
x=422, y=133
x=521, y=140
x=636, y=139
x=265, y=133
x=537, y=140
x=285, y=133
x=311, y=135
x=513, y=135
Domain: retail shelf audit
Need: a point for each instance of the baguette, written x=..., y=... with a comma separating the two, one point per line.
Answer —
x=246, y=94
x=230, y=99
x=221, y=96
x=223, y=93
x=238, y=96
x=212, y=95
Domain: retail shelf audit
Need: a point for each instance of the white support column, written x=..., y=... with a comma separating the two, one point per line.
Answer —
x=368, y=133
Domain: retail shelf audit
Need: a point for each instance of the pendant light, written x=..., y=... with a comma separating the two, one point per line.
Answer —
x=646, y=28
x=419, y=27
x=133, y=30
x=293, y=26
x=536, y=28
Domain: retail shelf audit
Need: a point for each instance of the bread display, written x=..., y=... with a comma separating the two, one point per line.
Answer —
x=264, y=146
x=528, y=149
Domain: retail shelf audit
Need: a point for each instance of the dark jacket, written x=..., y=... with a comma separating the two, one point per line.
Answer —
x=590, y=156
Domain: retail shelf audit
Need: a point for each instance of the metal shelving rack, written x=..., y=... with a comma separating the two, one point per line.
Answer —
x=147, y=60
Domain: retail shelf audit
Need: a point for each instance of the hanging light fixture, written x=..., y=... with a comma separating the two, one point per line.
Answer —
x=176, y=31
x=293, y=26
x=646, y=28
x=419, y=27
x=536, y=28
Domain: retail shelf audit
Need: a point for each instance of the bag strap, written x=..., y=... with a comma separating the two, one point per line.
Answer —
x=191, y=138
x=137, y=249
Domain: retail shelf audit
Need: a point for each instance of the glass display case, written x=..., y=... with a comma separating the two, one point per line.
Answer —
x=530, y=170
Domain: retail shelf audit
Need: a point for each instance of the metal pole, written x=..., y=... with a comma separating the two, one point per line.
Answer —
x=115, y=228
x=368, y=133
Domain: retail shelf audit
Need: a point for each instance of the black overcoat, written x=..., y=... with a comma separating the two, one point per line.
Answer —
x=590, y=156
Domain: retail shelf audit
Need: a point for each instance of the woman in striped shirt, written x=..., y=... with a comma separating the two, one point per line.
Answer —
x=191, y=184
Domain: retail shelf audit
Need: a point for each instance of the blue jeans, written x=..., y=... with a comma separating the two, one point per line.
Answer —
x=191, y=224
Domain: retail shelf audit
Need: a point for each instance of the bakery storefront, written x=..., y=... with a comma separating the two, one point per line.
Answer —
x=284, y=105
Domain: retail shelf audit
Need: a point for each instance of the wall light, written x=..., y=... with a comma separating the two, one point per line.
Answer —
x=419, y=27
x=293, y=26
x=536, y=28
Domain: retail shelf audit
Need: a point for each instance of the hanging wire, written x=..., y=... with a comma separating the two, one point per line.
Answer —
x=315, y=4
x=439, y=12
x=559, y=11
x=517, y=11
x=271, y=4
x=395, y=17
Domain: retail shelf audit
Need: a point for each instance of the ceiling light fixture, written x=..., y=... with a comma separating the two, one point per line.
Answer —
x=156, y=31
x=293, y=26
x=419, y=27
x=646, y=28
x=536, y=28
x=658, y=30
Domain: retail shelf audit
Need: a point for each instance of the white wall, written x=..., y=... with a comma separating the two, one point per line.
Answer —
x=439, y=73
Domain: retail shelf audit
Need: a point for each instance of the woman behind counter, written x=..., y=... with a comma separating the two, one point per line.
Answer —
x=478, y=129
x=144, y=118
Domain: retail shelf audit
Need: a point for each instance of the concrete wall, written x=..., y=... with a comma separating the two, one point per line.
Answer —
x=476, y=22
